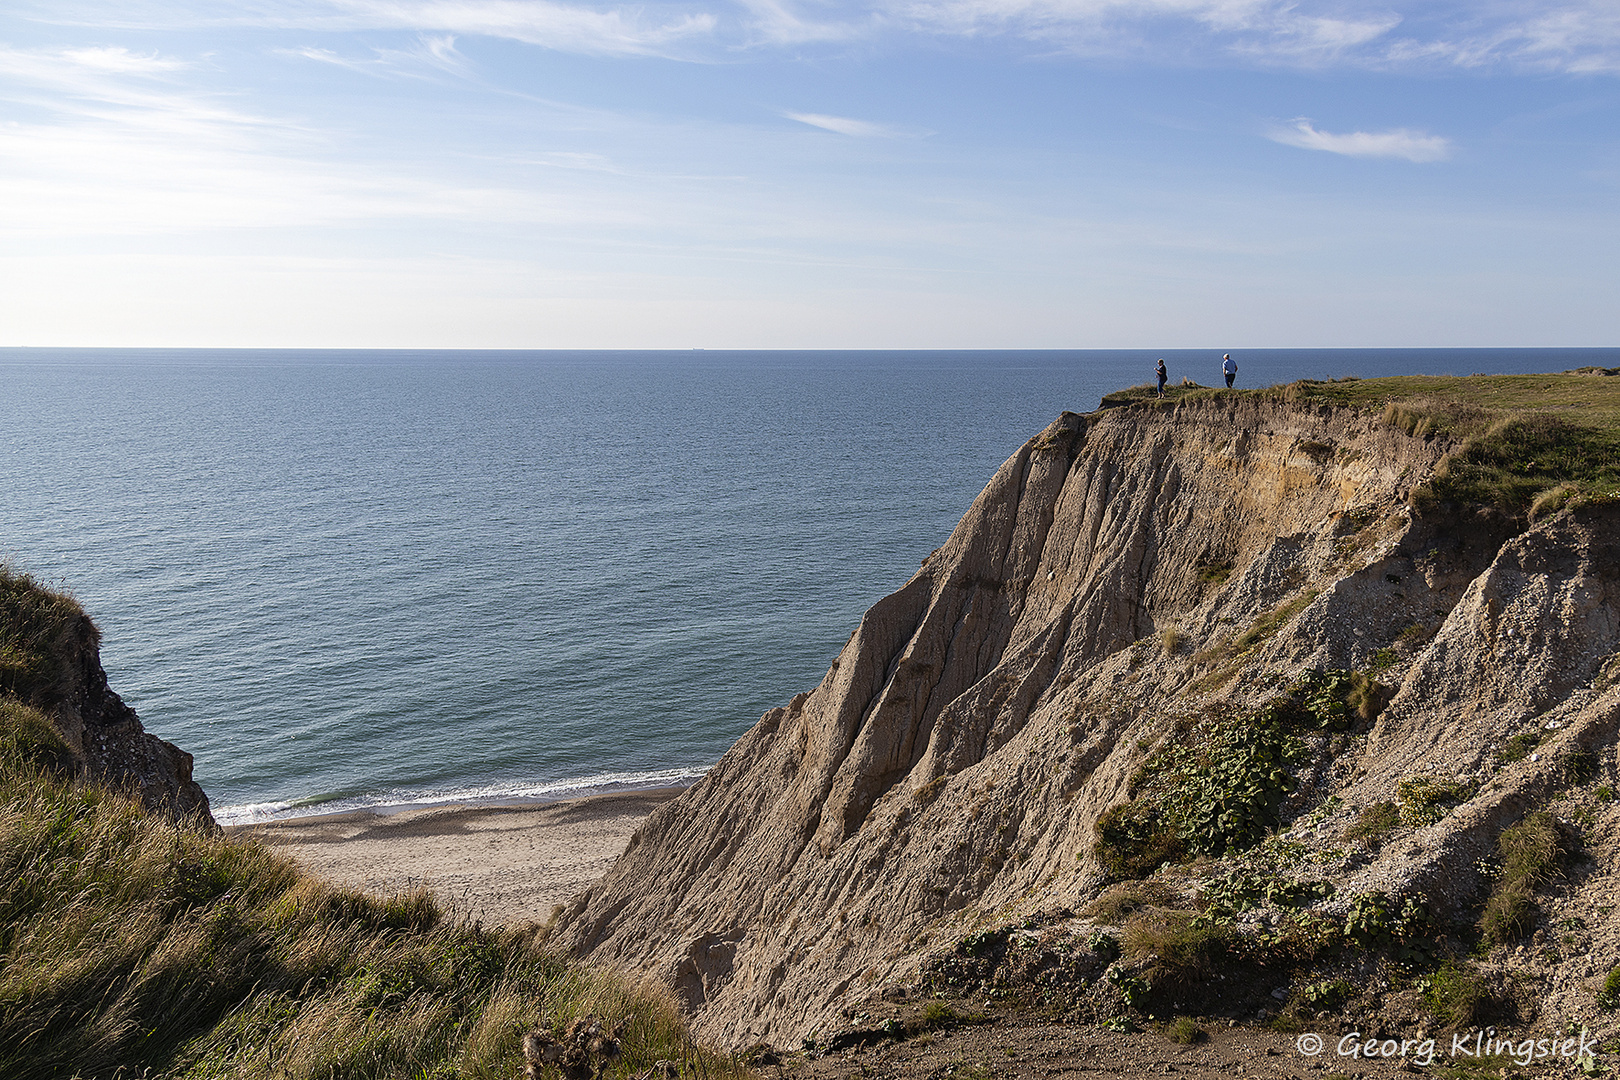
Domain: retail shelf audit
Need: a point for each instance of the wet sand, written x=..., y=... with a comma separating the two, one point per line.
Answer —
x=499, y=864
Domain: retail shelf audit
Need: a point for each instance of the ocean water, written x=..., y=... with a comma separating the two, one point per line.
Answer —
x=346, y=579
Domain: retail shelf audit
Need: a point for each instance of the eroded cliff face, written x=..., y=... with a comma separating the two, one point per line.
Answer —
x=106, y=738
x=1123, y=570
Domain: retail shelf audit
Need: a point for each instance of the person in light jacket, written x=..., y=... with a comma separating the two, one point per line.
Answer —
x=1229, y=366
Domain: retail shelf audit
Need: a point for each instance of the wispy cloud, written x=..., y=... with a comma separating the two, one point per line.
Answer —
x=1400, y=143
x=1575, y=36
x=843, y=125
x=432, y=53
x=564, y=27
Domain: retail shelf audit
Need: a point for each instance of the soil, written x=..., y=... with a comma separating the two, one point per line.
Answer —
x=1009, y=1045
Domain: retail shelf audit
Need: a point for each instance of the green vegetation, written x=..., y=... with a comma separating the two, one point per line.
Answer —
x=1374, y=823
x=1453, y=993
x=1216, y=790
x=1184, y=1031
x=1519, y=746
x=1327, y=996
x=1532, y=852
x=41, y=634
x=1217, y=786
x=1609, y=997
x=134, y=944
x=1425, y=800
x=1519, y=447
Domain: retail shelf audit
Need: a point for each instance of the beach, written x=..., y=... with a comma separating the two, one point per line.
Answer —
x=502, y=865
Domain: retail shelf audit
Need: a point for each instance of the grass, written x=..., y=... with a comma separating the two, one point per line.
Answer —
x=1374, y=823
x=1523, y=445
x=1531, y=853
x=1608, y=998
x=41, y=634
x=1185, y=1031
x=1181, y=947
x=135, y=944
x=1454, y=994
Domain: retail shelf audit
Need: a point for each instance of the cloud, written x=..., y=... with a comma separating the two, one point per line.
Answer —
x=118, y=60
x=843, y=125
x=1400, y=143
x=1574, y=36
x=536, y=22
x=435, y=53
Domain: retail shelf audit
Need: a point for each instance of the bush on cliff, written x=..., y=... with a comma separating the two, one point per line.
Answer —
x=134, y=944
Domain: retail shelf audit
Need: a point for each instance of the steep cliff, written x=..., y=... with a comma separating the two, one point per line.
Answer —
x=50, y=661
x=1133, y=585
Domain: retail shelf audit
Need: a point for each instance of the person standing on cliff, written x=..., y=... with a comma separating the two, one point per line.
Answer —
x=1162, y=374
x=1229, y=366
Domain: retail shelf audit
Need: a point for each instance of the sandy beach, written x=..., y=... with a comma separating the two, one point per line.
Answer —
x=499, y=864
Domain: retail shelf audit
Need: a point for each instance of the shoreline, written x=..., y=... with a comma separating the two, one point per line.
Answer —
x=502, y=864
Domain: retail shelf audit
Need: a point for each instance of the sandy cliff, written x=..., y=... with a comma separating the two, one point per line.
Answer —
x=1124, y=575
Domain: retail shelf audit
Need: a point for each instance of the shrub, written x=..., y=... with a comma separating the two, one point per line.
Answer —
x=1425, y=800
x=1182, y=946
x=1519, y=746
x=1215, y=791
x=1327, y=996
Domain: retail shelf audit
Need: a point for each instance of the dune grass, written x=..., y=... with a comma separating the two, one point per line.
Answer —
x=134, y=944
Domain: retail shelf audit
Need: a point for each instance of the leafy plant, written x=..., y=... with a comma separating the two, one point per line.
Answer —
x=1328, y=995
x=1425, y=800
x=1216, y=791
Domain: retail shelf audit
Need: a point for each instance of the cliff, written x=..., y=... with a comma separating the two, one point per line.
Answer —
x=1060, y=706
x=50, y=661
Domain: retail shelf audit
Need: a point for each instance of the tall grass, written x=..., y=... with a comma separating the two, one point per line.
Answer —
x=134, y=944
x=41, y=634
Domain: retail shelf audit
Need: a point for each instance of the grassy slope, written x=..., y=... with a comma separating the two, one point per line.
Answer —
x=135, y=943
x=1524, y=445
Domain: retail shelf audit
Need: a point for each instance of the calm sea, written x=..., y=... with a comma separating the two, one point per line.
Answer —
x=348, y=579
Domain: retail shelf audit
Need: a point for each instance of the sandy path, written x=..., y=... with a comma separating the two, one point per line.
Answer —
x=499, y=864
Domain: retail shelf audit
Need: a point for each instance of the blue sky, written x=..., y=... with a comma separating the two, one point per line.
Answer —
x=809, y=173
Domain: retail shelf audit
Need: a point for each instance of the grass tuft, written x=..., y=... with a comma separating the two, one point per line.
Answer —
x=1531, y=853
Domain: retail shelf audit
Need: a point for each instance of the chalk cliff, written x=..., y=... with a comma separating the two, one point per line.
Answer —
x=1124, y=574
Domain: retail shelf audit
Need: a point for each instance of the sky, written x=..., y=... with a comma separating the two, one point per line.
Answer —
x=817, y=174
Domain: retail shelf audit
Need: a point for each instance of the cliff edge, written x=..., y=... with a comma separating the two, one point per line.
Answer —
x=1251, y=662
x=50, y=662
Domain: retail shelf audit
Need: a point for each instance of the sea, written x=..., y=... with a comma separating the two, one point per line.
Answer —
x=357, y=579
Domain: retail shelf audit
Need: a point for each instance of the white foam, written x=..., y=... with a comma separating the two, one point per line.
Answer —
x=399, y=799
